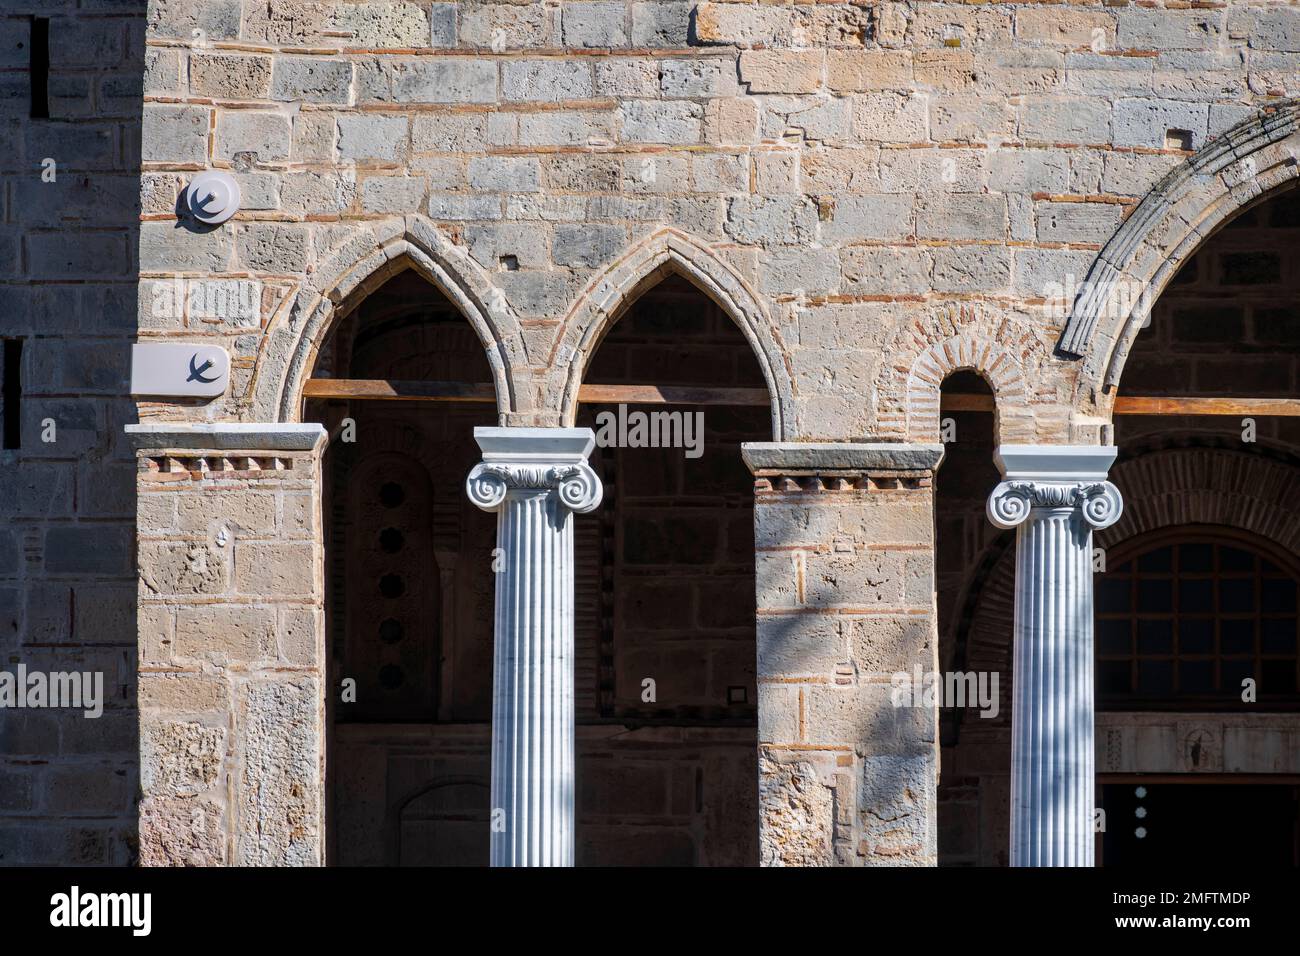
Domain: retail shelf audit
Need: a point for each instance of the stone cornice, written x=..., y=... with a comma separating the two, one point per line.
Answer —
x=847, y=460
x=190, y=438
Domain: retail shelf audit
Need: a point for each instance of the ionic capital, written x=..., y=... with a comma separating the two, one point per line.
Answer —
x=1055, y=478
x=535, y=461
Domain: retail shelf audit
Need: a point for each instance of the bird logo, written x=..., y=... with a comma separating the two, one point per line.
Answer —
x=196, y=374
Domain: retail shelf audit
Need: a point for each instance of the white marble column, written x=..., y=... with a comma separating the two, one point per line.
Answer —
x=1054, y=496
x=533, y=478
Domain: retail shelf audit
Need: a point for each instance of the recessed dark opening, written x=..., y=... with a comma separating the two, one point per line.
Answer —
x=11, y=393
x=39, y=60
x=391, y=540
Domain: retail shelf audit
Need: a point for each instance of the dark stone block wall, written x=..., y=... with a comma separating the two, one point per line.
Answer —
x=70, y=182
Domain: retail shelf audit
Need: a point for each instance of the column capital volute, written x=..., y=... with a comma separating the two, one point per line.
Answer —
x=1054, y=478
x=530, y=461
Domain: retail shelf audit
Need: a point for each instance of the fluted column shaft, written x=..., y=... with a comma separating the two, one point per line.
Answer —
x=533, y=478
x=1054, y=496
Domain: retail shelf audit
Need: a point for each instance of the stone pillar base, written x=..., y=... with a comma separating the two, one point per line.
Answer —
x=844, y=535
x=231, y=644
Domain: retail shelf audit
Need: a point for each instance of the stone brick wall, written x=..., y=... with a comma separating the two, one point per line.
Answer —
x=232, y=659
x=859, y=167
x=878, y=193
x=69, y=234
x=845, y=601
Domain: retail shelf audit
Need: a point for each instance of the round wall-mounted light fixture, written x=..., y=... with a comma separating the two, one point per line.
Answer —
x=212, y=197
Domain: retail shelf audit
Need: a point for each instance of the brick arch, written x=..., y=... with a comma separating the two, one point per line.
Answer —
x=357, y=266
x=1241, y=167
x=931, y=348
x=1253, y=492
x=666, y=252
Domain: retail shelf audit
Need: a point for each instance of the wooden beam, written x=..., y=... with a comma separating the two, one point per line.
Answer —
x=1141, y=405
x=670, y=395
x=399, y=391
x=957, y=402
x=392, y=390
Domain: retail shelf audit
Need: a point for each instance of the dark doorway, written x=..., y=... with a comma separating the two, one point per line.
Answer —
x=1200, y=824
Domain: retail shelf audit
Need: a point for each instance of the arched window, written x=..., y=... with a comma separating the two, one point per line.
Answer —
x=1184, y=616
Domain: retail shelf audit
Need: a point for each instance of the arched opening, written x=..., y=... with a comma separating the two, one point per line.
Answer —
x=1209, y=473
x=1217, y=500
x=1191, y=617
x=408, y=587
x=667, y=739
x=964, y=539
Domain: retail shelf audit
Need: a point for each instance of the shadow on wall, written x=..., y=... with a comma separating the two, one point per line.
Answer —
x=70, y=146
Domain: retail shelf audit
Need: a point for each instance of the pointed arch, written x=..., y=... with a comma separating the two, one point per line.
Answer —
x=666, y=252
x=1241, y=167
x=353, y=269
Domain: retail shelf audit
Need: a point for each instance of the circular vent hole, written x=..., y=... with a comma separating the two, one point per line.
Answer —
x=391, y=540
x=390, y=631
x=391, y=494
x=391, y=585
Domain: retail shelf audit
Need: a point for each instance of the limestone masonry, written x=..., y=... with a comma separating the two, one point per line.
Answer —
x=877, y=194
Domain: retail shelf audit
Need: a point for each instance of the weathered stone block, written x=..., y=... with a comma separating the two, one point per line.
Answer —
x=178, y=831
x=759, y=219
x=522, y=241
x=862, y=71
x=265, y=136
x=505, y=173
x=1077, y=222
x=593, y=24
x=274, y=247
x=546, y=80
x=650, y=121
x=972, y=269
x=697, y=78
x=782, y=71
x=796, y=808
x=180, y=567
x=1157, y=123
x=884, y=646
x=944, y=216
x=226, y=634
x=870, y=217
x=312, y=79
x=588, y=246
x=184, y=693
x=372, y=138
x=395, y=194
x=275, y=568
x=179, y=758
x=661, y=24
x=383, y=25
x=230, y=77
x=279, y=798
x=791, y=645
x=174, y=134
